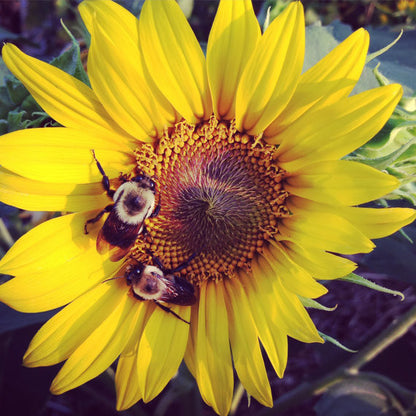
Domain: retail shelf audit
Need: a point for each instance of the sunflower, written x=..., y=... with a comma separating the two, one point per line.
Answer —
x=255, y=200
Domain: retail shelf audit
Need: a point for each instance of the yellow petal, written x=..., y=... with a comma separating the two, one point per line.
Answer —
x=190, y=358
x=291, y=315
x=338, y=129
x=331, y=79
x=127, y=374
x=214, y=371
x=51, y=245
x=66, y=99
x=268, y=322
x=319, y=263
x=127, y=381
x=62, y=155
x=233, y=37
x=175, y=59
x=292, y=276
x=272, y=73
x=59, y=285
x=120, y=24
x=116, y=71
x=58, y=338
x=378, y=222
x=42, y=196
x=326, y=231
x=247, y=356
x=372, y=222
x=294, y=312
x=53, y=264
x=161, y=350
x=340, y=182
x=100, y=348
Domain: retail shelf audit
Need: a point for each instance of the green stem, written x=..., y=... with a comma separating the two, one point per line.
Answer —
x=395, y=331
x=5, y=235
x=351, y=368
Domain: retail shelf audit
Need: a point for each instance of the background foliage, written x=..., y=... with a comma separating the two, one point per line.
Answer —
x=386, y=384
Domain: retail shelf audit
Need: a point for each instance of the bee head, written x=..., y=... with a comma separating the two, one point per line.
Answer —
x=134, y=273
x=146, y=283
x=145, y=182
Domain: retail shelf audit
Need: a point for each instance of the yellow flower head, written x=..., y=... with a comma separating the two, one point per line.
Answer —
x=241, y=151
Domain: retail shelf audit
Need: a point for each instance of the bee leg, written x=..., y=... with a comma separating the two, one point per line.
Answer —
x=181, y=266
x=156, y=211
x=124, y=177
x=157, y=262
x=105, y=181
x=145, y=231
x=166, y=309
x=108, y=208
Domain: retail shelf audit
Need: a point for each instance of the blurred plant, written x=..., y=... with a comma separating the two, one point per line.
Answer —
x=364, y=12
x=393, y=149
x=346, y=390
x=18, y=109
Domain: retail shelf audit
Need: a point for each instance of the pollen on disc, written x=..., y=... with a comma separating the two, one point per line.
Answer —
x=221, y=198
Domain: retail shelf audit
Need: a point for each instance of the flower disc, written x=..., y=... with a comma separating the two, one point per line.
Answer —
x=221, y=196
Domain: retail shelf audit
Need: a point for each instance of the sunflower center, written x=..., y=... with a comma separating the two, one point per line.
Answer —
x=221, y=197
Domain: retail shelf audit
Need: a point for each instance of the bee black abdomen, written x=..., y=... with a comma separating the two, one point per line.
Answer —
x=184, y=300
x=120, y=234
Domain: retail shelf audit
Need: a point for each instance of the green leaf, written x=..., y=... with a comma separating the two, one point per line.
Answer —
x=319, y=42
x=70, y=60
x=359, y=280
x=14, y=120
x=397, y=63
x=266, y=19
x=3, y=127
x=5, y=103
x=30, y=105
x=311, y=303
x=407, y=196
x=39, y=121
x=381, y=51
x=4, y=71
x=17, y=91
x=384, y=162
x=327, y=338
x=408, y=104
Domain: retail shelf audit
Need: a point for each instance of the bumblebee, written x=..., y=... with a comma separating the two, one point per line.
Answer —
x=154, y=282
x=134, y=201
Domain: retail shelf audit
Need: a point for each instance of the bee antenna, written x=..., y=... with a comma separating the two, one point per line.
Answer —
x=112, y=278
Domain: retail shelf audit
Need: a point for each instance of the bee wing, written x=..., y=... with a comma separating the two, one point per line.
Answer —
x=103, y=246
x=117, y=237
x=177, y=291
